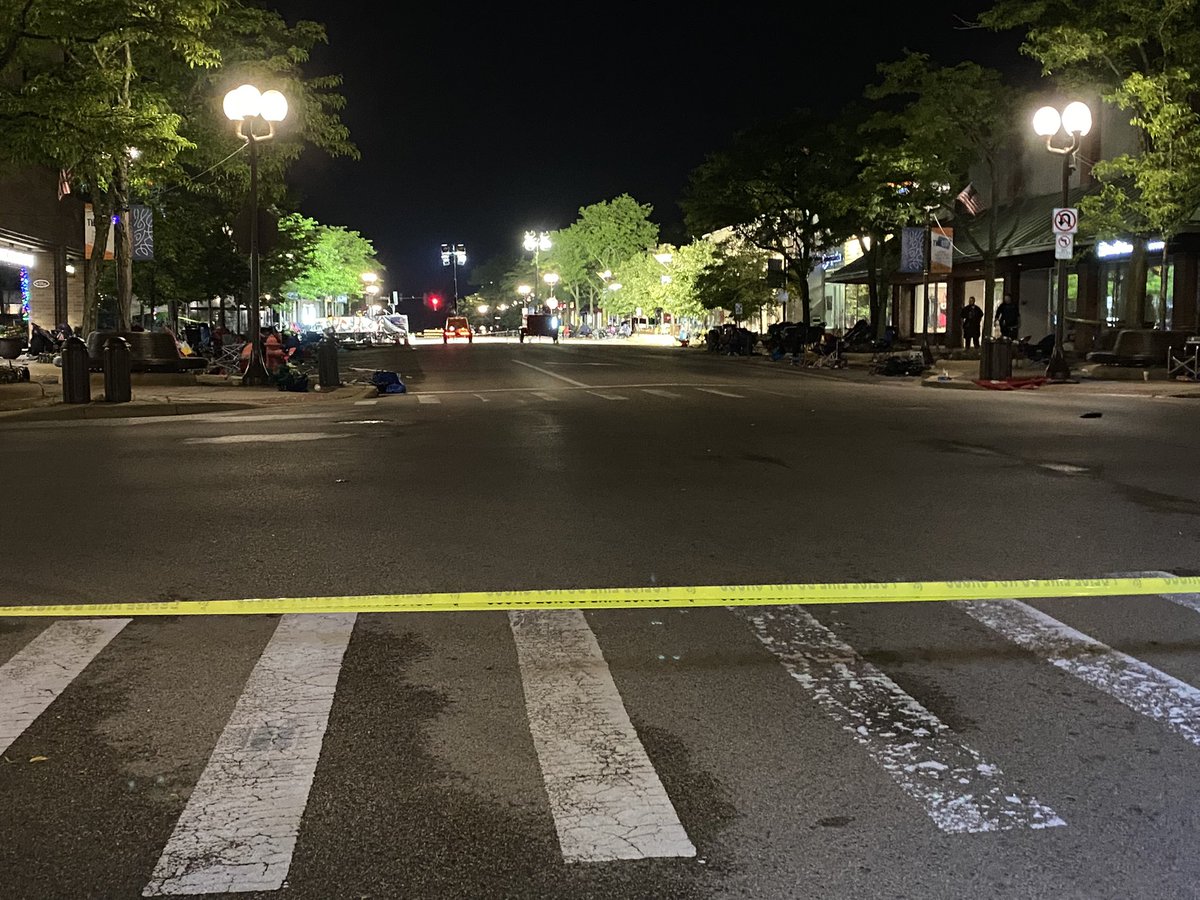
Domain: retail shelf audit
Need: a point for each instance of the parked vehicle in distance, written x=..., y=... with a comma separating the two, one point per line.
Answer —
x=457, y=327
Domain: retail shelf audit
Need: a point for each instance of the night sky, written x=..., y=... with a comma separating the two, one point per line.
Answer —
x=477, y=124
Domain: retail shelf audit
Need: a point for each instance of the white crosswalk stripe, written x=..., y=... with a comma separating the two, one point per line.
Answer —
x=1138, y=685
x=1187, y=601
x=427, y=398
x=607, y=800
x=31, y=680
x=605, y=396
x=960, y=791
x=721, y=393
x=549, y=398
x=669, y=395
x=239, y=828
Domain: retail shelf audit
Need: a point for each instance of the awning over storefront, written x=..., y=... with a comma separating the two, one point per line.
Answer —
x=1022, y=228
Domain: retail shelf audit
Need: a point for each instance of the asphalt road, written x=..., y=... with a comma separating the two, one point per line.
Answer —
x=1046, y=748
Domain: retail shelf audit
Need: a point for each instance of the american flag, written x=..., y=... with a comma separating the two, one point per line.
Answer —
x=64, y=182
x=969, y=198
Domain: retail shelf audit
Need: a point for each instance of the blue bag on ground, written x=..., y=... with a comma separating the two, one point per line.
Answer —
x=387, y=382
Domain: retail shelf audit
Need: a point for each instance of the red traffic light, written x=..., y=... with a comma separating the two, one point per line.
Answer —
x=433, y=300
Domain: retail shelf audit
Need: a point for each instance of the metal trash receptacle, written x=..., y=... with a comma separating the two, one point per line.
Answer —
x=996, y=359
x=76, y=378
x=118, y=364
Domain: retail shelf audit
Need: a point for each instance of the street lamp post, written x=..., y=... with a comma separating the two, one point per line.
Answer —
x=1076, y=121
x=535, y=244
x=247, y=107
x=454, y=255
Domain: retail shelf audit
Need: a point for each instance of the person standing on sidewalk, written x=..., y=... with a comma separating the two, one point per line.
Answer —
x=972, y=319
x=1008, y=318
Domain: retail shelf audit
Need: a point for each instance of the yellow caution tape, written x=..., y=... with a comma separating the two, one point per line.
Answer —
x=632, y=598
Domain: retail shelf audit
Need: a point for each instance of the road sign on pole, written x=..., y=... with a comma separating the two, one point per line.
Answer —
x=1064, y=246
x=1065, y=220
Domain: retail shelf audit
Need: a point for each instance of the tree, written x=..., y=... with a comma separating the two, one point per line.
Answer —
x=664, y=279
x=772, y=187
x=604, y=236
x=950, y=120
x=736, y=278
x=337, y=260
x=85, y=99
x=1145, y=57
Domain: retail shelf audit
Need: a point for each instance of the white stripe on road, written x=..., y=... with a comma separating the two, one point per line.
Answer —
x=549, y=398
x=1187, y=601
x=571, y=381
x=604, y=396
x=721, y=393
x=1140, y=686
x=426, y=398
x=239, y=827
x=961, y=792
x=607, y=800
x=31, y=680
x=483, y=398
x=297, y=437
x=668, y=394
x=365, y=402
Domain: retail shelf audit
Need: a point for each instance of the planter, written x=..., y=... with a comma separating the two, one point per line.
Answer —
x=11, y=347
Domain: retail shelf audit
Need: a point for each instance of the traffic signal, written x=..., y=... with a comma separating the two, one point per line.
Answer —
x=433, y=301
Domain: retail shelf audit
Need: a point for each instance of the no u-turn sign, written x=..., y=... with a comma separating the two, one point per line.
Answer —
x=1065, y=220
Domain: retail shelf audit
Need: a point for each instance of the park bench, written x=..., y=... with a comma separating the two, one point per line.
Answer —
x=150, y=351
x=1140, y=347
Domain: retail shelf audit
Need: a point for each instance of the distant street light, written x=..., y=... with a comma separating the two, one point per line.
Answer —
x=454, y=255
x=535, y=244
x=1076, y=121
x=247, y=107
x=524, y=290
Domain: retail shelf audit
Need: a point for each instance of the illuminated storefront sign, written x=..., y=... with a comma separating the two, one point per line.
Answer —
x=1105, y=249
x=15, y=257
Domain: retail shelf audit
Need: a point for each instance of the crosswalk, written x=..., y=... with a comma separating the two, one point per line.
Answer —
x=578, y=393
x=245, y=814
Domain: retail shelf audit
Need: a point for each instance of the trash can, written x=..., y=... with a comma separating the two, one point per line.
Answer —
x=995, y=359
x=76, y=379
x=327, y=363
x=118, y=363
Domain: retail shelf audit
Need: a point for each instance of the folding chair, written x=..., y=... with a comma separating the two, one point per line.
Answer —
x=1184, y=363
x=229, y=359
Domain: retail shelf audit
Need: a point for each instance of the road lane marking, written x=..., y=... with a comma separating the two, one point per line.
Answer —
x=238, y=830
x=549, y=398
x=667, y=394
x=960, y=791
x=1140, y=686
x=365, y=402
x=604, y=396
x=293, y=438
x=607, y=800
x=483, y=398
x=1187, y=601
x=427, y=398
x=658, y=597
x=571, y=381
x=720, y=393
x=31, y=680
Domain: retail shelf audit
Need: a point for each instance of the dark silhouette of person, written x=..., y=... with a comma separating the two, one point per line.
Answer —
x=1008, y=317
x=972, y=319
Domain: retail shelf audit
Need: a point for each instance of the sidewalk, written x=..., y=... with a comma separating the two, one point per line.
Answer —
x=962, y=374
x=41, y=398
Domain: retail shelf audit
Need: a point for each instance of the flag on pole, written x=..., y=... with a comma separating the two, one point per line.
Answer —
x=64, y=182
x=969, y=198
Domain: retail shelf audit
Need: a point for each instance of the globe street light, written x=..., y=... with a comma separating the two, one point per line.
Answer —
x=535, y=244
x=250, y=110
x=1076, y=121
x=524, y=290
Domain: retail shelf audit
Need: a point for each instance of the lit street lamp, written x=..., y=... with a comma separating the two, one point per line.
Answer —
x=454, y=255
x=535, y=244
x=1076, y=121
x=247, y=107
x=524, y=290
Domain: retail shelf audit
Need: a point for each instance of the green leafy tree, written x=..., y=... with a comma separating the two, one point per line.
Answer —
x=665, y=279
x=336, y=259
x=736, y=275
x=945, y=121
x=772, y=187
x=1145, y=57
x=605, y=235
